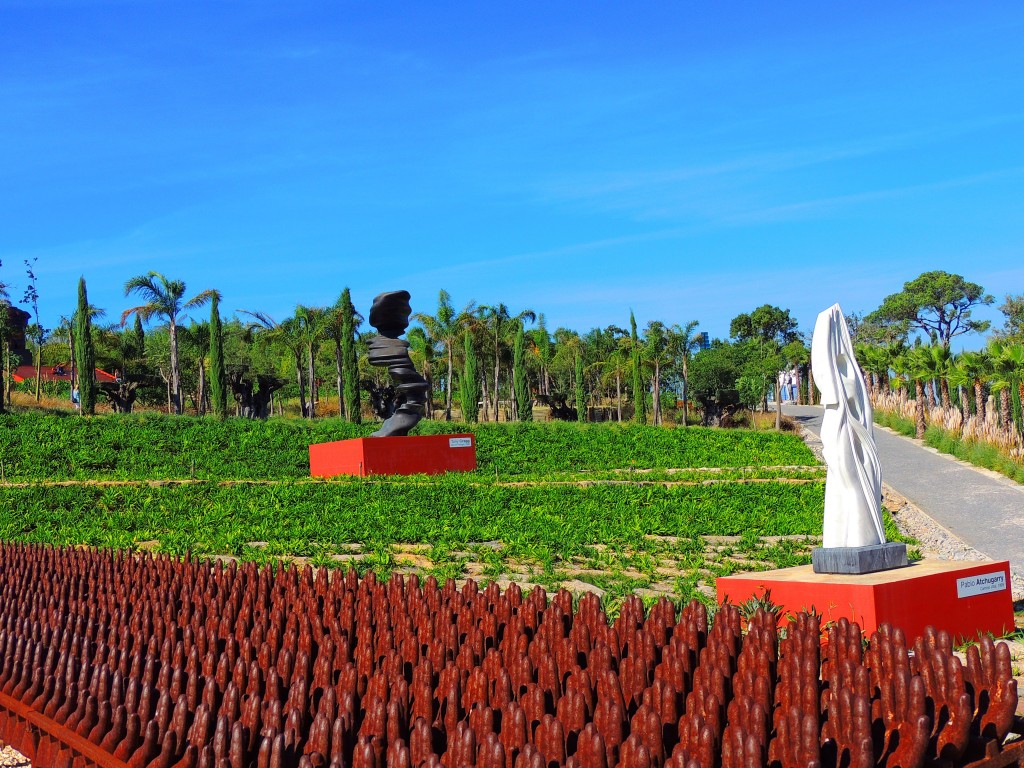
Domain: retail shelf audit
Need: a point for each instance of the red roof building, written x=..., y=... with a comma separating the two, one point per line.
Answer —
x=54, y=373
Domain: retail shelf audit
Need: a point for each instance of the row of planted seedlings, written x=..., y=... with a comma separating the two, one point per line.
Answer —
x=159, y=661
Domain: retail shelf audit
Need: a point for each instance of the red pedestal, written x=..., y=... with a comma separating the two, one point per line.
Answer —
x=418, y=455
x=963, y=598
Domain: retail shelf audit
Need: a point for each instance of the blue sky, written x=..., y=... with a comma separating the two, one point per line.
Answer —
x=690, y=161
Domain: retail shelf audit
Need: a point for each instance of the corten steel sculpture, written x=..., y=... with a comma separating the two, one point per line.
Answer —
x=110, y=659
x=853, y=486
x=114, y=659
x=390, y=316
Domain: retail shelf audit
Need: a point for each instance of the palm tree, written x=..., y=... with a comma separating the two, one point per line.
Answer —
x=197, y=338
x=636, y=351
x=943, y=364
x=874, y=361
x=617, y=366
x=688, y=344
x=920, y=367
x=660, y=352
x=446, y=329
x=421, y=350
x=1007, y=364
x=542, y=343
x=313, y=325
x=289, y=334
x=500, y=325
x=164, y=298
x=971, y=370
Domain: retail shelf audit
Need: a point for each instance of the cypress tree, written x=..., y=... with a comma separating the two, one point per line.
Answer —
x=218, y=375
x=581, y=395
x=524, y=408
x=85, y=353
x=639, y=396
x=349, y=361
x=469, y=387
x=140, y=339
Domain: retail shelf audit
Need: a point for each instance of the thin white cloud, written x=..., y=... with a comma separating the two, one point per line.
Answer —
x=815, y=207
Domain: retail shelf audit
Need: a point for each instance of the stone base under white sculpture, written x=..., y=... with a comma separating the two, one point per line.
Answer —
x=869, y=559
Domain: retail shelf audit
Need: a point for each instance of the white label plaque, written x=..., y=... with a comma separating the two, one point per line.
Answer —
x=460, y=442
x=969, y=586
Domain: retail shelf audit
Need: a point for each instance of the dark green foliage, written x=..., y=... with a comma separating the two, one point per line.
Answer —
x=140, y=339
x=581, y=395
x=524, y=402
x=714, y=374
x=937, y=303
x=350, y=363
x=639, y=393
x=469, y=385
x=148, y=446
x=218, y=374
x=766, y=323
x=84, y=352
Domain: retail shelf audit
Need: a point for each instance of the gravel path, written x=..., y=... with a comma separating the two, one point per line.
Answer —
x=11, y=758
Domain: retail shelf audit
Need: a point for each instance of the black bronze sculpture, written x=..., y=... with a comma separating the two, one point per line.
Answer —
x=390, y=316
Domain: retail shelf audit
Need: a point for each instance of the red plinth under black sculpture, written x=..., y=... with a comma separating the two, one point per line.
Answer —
x=408, y=455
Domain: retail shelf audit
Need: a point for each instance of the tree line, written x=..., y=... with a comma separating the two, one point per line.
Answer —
x=490, y=362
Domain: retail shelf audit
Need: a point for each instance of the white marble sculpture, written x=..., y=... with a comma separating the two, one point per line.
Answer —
x=853, y=485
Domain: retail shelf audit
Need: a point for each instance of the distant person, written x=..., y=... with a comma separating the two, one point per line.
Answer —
x=117, y=375
x=794, y=385
x=783, y=385
x=74, y=397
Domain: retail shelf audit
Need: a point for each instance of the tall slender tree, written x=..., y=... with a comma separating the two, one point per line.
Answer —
x=499, y=321
x=349, y=359
x=581, y=394
x=312, y=325
x=520, y=380
x=469, y=386
x=218, y=372
x=85, y=353
x=542, y=341
x=5, y=332
x=445, y=329
x=195, y=341
x=164, y=298
x=660, y=351
x=615, y=366
x=36, y=331
x=688, y=345
x=639, y=397
x=140, y=339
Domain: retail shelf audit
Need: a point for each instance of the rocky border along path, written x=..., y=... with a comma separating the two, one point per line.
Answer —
x=12, y=758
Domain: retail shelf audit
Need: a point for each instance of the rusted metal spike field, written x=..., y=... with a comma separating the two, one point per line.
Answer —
x=114, y=659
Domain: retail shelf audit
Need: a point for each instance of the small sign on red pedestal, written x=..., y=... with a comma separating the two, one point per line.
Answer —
x=409, y=455
x=963, y=598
